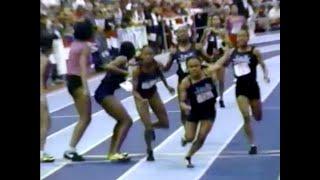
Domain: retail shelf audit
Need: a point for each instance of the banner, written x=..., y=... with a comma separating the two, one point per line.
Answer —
x=136, y=35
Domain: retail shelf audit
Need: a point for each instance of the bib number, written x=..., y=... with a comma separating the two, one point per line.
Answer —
x=204, y=96
x=148, y=84
x=241, y=69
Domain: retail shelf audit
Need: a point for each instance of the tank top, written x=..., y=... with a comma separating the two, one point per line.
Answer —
x=244, y=65
x=202, y=96
x=147, y=82
x=73, y=63
x=181, y=57
x=114, y=79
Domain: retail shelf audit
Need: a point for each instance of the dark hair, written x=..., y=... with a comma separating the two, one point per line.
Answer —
x=127, y=49
x=188, y=59
x=46, y=39
x=83, y=30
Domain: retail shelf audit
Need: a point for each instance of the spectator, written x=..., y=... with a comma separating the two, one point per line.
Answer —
x=234, y=24
x=274, y=16
x=262, y=21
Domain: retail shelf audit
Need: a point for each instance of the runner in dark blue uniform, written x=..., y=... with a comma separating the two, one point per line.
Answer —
x=180, y=54
x=198, y=98
x=117, y=71
x=144, y=78
x=244, y=60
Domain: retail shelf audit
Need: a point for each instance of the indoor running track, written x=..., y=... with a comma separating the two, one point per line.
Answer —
x=223, y=157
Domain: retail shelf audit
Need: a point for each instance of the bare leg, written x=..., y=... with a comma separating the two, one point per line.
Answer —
x=83, y=106
x=158, y=108
x=243, y=104
x=115, y=109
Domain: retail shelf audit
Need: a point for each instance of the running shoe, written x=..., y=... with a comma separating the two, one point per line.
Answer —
x=117, y=157
x=253, y=150
x=73, y=156
x=124, y=154
x=221, y=102
x=150, y=156
x=188, y=161
x=46, y=158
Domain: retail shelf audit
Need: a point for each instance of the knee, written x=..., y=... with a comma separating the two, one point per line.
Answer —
x=246, y=117
x=85, y=120
x=128, y=122
x=189, y=139
x=200, y=140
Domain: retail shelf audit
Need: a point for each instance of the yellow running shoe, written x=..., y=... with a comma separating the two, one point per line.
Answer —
x=117, y=157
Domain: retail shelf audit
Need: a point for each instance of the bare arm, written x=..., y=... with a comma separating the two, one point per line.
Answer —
x=135, y=75
x=83, y=68
x=113, y=66
x=262, y=64
x=167, y=66
x=223, y=61
x=212, y=70
x=183, y=94
x=164, y=80
x=204, y=36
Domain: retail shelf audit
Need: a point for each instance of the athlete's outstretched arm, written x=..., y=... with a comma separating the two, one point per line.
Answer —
x=164, y=80
x=212, y=70
x=204, y=36
x=183, y=94
x=113, y=66
x=224, y=60
x=168, y=65
x=262, y=64
x=135, y=75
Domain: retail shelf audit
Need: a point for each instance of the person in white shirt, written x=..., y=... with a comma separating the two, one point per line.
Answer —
x=274, y=16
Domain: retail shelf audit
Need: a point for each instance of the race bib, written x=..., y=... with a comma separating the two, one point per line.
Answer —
x=211, y=39
x=148, y=84
x=241, y=69
x=202, y=97
x=152, y=37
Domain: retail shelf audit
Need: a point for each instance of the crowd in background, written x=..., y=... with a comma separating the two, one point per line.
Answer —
x=107, y=16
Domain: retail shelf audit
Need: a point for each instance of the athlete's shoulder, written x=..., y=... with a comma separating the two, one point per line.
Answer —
x=185, y=83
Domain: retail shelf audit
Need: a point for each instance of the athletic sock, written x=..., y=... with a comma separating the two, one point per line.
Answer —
x=72, y=149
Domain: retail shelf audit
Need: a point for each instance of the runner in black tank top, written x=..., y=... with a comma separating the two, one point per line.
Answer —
x=184, y=51
x=213, y=41
x=199, y=90
x=117, y=71
x=244, y=60
x=145, y=93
